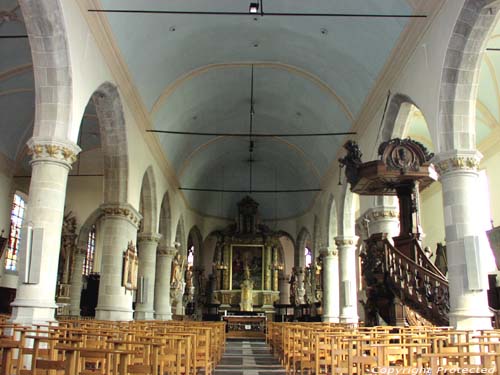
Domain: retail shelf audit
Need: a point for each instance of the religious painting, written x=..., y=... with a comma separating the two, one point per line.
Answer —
x=130, y=267
x=250, y=256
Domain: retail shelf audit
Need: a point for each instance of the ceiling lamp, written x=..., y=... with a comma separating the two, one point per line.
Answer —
x=253, y=8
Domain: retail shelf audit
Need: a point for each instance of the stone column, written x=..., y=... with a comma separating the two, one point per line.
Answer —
x=330, y=285
x=163, y=310
x=383, y=219
x=267, y=264
x=275, y=269
x=467, y=280
x=50, y=164
x=75, y=291
x=226, y=259
x=147, y=243
x=284, y=289
x=300, y=293
x=118, y=227
x=346, y=246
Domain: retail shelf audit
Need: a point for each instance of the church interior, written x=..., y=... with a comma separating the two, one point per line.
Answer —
x=249, y=187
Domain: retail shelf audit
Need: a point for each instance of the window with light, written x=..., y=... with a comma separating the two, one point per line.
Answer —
x=88, y=265
x=190, y=259
x=16, y=222
x=308, y=255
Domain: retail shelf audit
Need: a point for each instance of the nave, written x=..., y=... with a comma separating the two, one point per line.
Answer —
x=244, y=357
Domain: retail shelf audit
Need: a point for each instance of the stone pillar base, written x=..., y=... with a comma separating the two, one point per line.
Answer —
x=348, y=319
x=144, y=315
x=32, y=312
x=105, y=314
x=331, y=319
x=466, y=321
x=163, y=316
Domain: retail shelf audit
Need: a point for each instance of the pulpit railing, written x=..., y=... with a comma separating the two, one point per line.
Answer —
x=391, y=275
x=418, y=284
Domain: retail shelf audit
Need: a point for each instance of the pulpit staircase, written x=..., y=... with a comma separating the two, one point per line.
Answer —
x=403, y=285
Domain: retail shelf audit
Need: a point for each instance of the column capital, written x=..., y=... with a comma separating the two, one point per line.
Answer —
x=342, y=241
x=457, y=160
x=80, y=250
x=328, y=251
x=382, y=213
x=122, y=210
x=149, y=237
x=53, y=150
x=167, y=251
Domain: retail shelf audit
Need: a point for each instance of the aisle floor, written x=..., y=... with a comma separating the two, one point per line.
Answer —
x=250, y=357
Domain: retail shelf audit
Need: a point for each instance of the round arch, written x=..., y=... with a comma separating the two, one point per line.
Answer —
x=45, y=22
x=111, y=119
x=331, y=221
x=459, y=82
x=347, y=212
x=196, y=239
x=165, y=221
x=303, y=237
x=148, y=202
x=180, y=237
x=83, y=235
x=398, y=111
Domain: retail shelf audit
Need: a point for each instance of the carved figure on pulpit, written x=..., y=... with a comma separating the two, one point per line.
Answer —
x=246, y=303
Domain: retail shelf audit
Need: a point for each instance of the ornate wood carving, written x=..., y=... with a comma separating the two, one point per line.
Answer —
x=351, y=161
x=403, y=154
x=389, y=274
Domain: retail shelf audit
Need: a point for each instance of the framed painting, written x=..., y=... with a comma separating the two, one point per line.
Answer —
x=251, y=255
x=130, y=267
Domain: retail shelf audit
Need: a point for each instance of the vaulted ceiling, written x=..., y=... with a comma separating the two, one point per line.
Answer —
x=193, y=73
x=311, y=75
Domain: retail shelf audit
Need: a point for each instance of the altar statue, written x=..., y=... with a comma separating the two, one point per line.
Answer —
x=246, y=285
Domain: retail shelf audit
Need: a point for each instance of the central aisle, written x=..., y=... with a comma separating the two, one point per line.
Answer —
x=250, y=357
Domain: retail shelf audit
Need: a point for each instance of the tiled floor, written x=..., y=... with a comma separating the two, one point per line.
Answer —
x=248, y=358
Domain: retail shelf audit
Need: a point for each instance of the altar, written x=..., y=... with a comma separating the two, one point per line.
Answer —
x=245, y=326
x=246, y=266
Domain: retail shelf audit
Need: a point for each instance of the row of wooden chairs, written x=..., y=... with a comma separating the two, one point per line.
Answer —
x=324, y=348
x=85, y=347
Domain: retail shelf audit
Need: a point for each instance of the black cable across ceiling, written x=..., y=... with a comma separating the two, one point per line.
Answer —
x=267, y=14
x=256, y=135
x=250, y=159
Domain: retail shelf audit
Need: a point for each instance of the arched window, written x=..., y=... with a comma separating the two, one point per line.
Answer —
x=308, y=255
x=88, y=265
x=16, y=222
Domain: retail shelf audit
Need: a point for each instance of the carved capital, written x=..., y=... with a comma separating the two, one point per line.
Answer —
x=122, y=210
x=51, y=150
x=346, y=241
x=149, y=237
x=382, y=213
x=457, y=161
x=81, y=251
x=168, y=251
x=327, y=251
